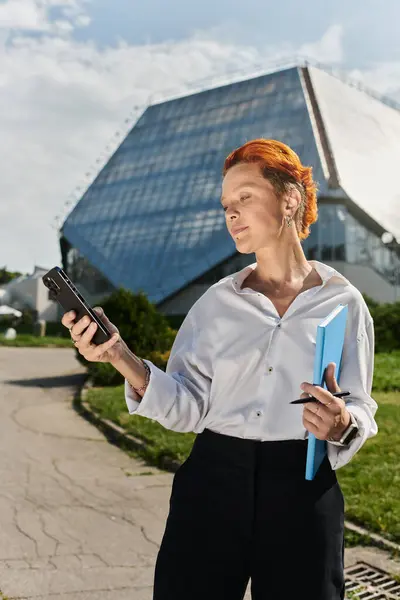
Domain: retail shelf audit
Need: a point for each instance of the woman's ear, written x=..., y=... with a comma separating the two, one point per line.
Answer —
x=293, y=199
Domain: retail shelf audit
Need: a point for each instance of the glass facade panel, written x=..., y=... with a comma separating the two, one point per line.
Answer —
x=87, y=278
x=326, y=241
x=337, y=235
x=152, y=218
x=365, y=247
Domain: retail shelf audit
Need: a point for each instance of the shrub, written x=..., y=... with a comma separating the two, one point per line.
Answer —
x=104, y=374
x=160, y=359
x=387, y=327
x=56, y=329
x=146, y=332
x=386, y=324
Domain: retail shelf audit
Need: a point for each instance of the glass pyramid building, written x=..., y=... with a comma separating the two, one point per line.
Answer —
x=152, y=219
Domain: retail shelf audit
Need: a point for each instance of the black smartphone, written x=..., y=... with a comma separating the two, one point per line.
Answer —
x=68, y=296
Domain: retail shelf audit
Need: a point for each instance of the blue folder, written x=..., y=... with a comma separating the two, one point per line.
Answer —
x=329, y=347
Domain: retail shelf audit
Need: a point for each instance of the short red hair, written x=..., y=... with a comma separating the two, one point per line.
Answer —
x=282, y=167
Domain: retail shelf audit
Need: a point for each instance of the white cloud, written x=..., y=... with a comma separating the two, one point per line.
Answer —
x=328, y=49
x=384, y=78
x=82, y=20
x=34, y=16
x=23, y=14
x=62, y=27
x=62, y=100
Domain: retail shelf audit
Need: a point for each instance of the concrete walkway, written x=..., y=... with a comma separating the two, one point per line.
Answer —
x=79, y=518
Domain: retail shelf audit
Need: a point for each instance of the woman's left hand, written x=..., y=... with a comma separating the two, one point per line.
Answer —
x=329, y=417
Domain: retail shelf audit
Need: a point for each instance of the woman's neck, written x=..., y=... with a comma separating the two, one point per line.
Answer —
x=282, y=268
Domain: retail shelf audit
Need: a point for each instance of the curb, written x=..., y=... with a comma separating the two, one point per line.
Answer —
x=113, y=432
x=376, y=539
x=117, y=435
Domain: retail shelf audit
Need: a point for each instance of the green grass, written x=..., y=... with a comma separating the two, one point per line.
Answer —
x=110, y=403
x=355, y=593
x=352, y=538
x=32, y=341
x=370, y=482
x=387, y=372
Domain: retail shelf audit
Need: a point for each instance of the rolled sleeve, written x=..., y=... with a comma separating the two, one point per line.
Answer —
x=179, y=397
x=357, y=375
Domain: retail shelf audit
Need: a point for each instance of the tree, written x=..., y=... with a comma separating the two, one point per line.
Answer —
x=7, y=276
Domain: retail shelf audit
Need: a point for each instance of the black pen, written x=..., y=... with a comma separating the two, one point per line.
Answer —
x=313, y=399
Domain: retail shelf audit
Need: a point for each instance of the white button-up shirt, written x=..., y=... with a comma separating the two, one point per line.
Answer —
x=235, y=365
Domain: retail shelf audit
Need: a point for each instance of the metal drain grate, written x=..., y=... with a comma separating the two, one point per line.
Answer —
x=364, y=582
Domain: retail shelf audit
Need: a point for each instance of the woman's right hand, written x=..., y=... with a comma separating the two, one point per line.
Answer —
x=83, y=331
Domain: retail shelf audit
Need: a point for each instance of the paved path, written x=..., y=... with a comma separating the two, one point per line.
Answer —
x=79, y=518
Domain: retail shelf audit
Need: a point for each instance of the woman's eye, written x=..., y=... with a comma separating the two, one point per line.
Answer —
x=241, y=199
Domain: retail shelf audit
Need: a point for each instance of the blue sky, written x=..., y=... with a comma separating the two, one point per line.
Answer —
x=72, y=71
x=371, y=27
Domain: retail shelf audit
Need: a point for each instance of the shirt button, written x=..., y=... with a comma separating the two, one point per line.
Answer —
x=259, y=413
x=271, y=369
x=278, y=325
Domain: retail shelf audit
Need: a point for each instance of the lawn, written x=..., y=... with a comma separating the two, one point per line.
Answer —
x=25, y=340
x=370, y=482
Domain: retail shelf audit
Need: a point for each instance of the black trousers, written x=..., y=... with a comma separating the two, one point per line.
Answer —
x=241, y=509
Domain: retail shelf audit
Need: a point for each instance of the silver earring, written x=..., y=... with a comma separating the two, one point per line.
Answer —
x=289, y=221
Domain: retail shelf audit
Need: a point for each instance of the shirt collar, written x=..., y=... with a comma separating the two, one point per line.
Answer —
x=326, y=273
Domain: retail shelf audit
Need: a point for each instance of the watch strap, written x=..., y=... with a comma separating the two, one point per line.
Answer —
x=348, y=435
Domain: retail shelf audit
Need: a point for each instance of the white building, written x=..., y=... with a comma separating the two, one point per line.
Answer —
x=29, y=292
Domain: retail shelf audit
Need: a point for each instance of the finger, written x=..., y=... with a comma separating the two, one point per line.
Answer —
x=68, y=318
x=311, y=428
x=85, y=340
x=330, y=379
x=100, y=312
x=102, y=348
x=81, y=325
x=313, y=414
x=103, y=317
x=321, y=394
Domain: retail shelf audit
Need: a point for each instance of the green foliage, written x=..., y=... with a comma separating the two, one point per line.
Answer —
x=57, y=329
x=371, y=303
x=103, y=374
x=146, y=332
x=387, y=327
x=386, y=324
x=33, y=341
x=160, y=359
x=175, y=321
x=352, y=539
x=7, y=276
x=28, y=317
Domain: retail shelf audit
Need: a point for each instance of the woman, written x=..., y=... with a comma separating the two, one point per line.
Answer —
x=240, y=506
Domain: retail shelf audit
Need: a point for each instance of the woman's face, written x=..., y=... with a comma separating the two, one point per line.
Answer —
x=249, y=200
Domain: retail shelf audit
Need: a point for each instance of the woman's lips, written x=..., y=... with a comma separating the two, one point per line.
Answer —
x=237, y=230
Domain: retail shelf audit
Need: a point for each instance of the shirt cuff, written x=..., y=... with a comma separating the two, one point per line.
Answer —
x=341, y=455
x=154, y=403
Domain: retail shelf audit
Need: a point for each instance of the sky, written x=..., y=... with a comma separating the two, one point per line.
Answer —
x=76, y=74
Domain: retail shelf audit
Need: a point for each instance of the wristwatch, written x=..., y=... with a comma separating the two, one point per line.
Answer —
x=348, y=435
